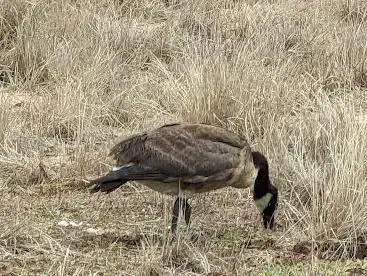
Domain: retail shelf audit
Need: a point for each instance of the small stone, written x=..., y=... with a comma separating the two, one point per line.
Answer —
x=74, y=224
x=63, y=223
x=93, y=231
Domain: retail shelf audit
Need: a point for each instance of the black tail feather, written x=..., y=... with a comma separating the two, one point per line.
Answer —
x=115, y=179
x=106, y=187
x=108, y=183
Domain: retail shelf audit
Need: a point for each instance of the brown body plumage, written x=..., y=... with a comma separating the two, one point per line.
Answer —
x=183, y=160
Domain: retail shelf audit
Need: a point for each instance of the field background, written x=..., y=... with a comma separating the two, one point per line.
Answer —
x=76, y=76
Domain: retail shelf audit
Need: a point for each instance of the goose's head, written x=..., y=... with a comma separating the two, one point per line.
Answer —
x=265, y=193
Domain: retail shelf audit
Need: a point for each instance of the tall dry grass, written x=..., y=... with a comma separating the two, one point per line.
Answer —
x=291, y=76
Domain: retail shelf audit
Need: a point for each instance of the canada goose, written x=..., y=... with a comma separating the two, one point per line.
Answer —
x=186, y=159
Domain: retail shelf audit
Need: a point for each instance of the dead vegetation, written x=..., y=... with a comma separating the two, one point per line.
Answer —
x=291, y=76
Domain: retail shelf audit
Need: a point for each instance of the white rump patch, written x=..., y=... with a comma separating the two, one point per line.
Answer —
x=263, y=202
x=117, y=168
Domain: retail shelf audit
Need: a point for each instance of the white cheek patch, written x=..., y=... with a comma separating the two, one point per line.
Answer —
x=263, y=202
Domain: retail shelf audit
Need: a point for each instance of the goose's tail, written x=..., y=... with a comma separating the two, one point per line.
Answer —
x=120, y=175
x=108, y=183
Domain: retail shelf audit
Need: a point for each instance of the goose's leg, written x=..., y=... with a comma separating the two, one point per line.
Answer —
x=187, y=212
x=175, y=214
x=181, y=204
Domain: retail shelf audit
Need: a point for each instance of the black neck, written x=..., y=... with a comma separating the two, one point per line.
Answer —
x=262, y=184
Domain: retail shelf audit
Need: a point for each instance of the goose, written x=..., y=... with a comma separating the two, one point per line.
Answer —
x=184, y=159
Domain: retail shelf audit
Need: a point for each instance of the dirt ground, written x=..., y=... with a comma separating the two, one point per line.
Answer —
x=70, y=232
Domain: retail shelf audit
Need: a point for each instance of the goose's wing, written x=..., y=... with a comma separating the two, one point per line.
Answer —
x=192, y=153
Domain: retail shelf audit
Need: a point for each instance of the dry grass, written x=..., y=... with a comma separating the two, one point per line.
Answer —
x=289, y=75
